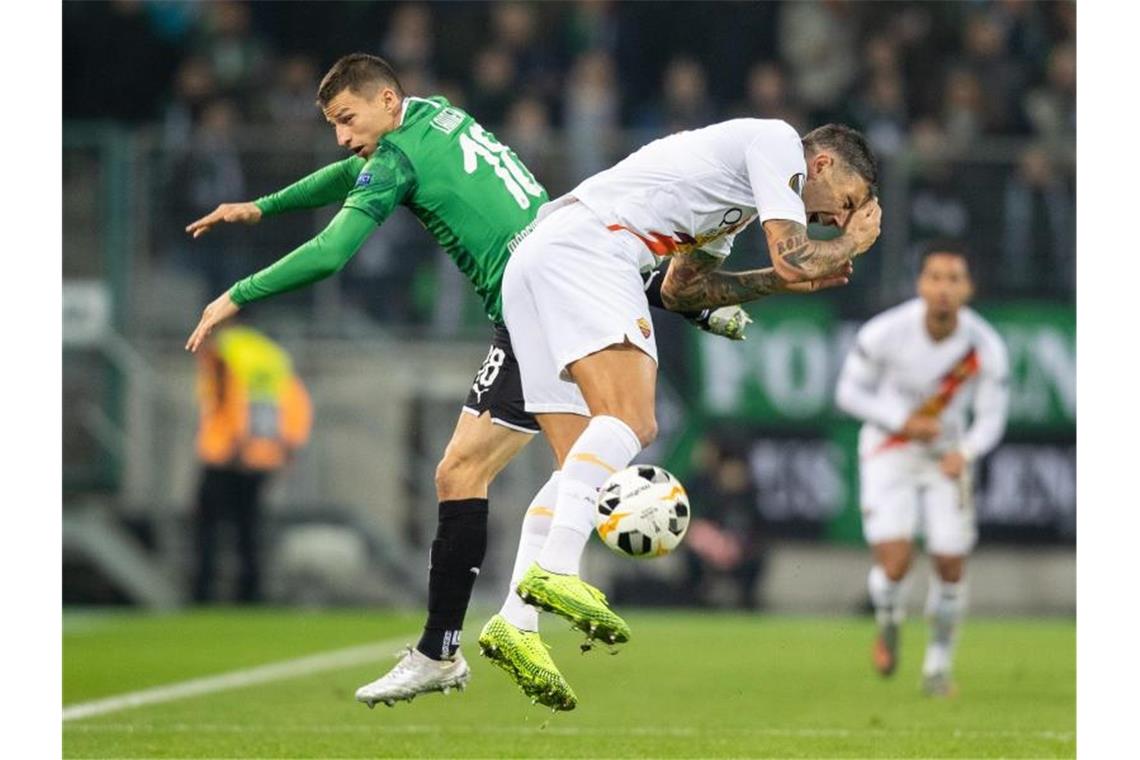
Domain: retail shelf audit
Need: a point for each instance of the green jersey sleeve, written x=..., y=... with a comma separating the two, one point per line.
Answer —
x=330, y=184
x=324, y=255
x=386, y=181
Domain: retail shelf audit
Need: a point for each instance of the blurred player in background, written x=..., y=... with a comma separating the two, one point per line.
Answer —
x=579, y=320
x=479, y=201
x=254, y=415
x=915, y=374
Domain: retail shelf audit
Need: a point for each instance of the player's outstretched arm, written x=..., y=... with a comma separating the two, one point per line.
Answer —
x=694, y=282
x=798, y=258
x=330, y=184
x=317, y=259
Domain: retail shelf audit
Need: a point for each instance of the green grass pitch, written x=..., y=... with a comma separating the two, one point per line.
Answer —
x=687, y=685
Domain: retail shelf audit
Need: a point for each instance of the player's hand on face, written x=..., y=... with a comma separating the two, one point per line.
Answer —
x=219, y=310
x=922, y=427
x=246, y=213
x=952, y=464
x=864, y=225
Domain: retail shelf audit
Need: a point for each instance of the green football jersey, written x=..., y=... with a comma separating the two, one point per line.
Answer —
x=470, y=191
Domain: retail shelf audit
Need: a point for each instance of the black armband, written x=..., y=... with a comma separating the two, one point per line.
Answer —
x=652, y=280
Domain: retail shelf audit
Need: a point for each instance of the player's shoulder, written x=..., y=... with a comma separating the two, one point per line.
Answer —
x=427, y=117
x=887, y=325
x=984, y=333
x=387, y=168
x=773, y=141
x=759, y=132
x=769, y=127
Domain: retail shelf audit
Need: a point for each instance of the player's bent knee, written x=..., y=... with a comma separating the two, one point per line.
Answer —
x=950, y=569
x=458, y=477
x=895, y=564
x=646, y=430
x=896, y=571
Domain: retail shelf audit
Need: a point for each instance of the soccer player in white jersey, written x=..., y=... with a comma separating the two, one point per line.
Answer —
x=580, y=325
x=928, y=380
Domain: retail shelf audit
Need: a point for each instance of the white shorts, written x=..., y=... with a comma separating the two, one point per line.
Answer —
x=570, y=289
x=904, y=494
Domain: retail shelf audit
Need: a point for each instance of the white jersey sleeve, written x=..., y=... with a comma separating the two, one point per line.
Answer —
x=777, y=172
x=859, y=392
x=991, y=401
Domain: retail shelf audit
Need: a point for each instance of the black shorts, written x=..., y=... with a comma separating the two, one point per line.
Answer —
x=497, y=388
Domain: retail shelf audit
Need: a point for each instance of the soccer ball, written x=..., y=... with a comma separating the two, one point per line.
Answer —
x=642, y=511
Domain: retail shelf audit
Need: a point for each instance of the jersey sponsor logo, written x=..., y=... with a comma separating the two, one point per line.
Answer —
x=514, y=242
x=731, y=217
x=796, y=182
x=643, y=325
x=447, y=120
x=364, y=179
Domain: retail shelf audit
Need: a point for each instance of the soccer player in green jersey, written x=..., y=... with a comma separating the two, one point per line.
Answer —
x=479, y=201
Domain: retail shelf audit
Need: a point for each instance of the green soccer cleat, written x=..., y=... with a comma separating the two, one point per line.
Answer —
x=525, y=658
x=577, y=601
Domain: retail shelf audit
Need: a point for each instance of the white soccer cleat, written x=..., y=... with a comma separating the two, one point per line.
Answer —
x=939, y=684
x=415, y=673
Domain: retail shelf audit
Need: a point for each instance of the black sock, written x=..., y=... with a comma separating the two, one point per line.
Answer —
x=456, y=555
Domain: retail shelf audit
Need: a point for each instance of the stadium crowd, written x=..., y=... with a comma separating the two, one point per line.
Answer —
x=573, y=86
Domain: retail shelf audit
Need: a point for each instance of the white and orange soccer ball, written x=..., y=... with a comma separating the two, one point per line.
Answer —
x=642, y=511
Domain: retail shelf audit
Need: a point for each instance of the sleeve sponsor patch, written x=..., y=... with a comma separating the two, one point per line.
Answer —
x=447, y=120
x=364, y=179
x=797, y=184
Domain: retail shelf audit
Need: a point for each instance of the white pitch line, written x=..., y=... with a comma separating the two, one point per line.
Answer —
x=235, y=679
x=546, y=728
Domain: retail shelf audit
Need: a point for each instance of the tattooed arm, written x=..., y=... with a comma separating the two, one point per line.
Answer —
x=796, y=257
x=694, y=282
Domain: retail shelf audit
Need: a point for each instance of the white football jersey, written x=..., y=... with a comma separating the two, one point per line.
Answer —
x=698, y=189
x=895, y=367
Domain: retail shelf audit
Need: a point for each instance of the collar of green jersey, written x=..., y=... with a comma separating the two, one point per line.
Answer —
x=413, y=109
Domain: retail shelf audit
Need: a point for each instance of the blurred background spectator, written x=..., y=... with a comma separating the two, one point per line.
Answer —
x=724, y=542
x=685, y=102
x=591, y=113
x=768, y=96
x=1040, y=226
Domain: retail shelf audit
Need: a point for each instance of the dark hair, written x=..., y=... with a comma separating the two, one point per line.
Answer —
x=356, y=72
x=848, y=145
x=944, y=247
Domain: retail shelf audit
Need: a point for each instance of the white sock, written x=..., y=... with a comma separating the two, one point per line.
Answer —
x=886, y=596
x=605, y=446
x=945, y=607
x=535, y=527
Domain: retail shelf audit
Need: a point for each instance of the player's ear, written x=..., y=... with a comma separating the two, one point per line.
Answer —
x=820, y=161
x=391, y=100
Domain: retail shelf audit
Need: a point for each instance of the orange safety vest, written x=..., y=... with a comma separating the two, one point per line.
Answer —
x=254, y=411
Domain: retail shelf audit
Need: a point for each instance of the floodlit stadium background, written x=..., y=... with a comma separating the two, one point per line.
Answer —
x=171, y=108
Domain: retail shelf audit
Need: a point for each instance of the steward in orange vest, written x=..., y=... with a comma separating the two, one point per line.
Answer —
x=254, y=415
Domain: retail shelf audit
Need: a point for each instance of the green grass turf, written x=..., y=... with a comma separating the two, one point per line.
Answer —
x=687, y=685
